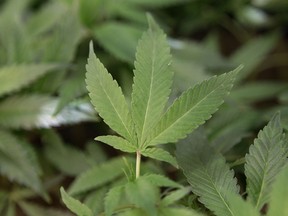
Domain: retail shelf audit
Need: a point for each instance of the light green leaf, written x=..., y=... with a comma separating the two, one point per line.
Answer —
x=124, y=45
x=240, y=207
x=192, y=109
x=16, y=164
x=15, y=77
x=11, y=210
x=143, y=195
x=178, y=212
x=94, y=200
x=117, y=143
x=174, y=196
x=60, y=154
x=207, y=172
x=155, y=3
x=152, y=80
x=265, y=159
x=97, y=176
x=279, y=195
x=253, y=53
x=159, y=154
x=256, y=91
x=74, y=205
x=112, y=199
x=107, y=98
x=30, y=111
x=161, y=181
x=32, y=209
x=70, y=89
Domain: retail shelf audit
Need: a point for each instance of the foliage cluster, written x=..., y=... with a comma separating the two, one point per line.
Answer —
x=167, y=161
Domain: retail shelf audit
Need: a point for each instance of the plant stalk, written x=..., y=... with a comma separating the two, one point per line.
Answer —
x=138, y=163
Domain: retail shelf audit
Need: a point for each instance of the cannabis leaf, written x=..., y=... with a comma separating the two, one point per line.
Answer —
x=107, y=98
x=112, y=199
x=74, y=205
x=97, y=176
x=17, y=164
x=208, y=174
x=192, y=109
x=279, y=195
x=265, y=159
x=152, y=80
x=15, y=77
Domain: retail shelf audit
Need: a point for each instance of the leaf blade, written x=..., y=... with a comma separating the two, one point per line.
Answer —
x=159, y=154
x=207, y=173
x=265, y=159
x=152, y=80
x=117, y=143
x=74, y=205
x=107, y=97
x=192, y=109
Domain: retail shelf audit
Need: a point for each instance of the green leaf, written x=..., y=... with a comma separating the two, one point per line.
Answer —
x=69, y=90
x=59, y=155
x=155, y=3
x=279, y=195
x=97, y=176
x=94, y=200
x=178, y=212
x=117, y=143
x=107, y=98
x=159, y=154
x=152, y=80
x=124, y=45
x=112, y=199
x=256, y=91
x=15, y=77
x=143, y=195
x=207, y=173
x=192, y=109
x=16, y=163
x=174, y=196
x=241, y=208
x=253, y=53
x=37, y=210
x=30, y=111
x=161, y=181
x=265, y=159
x=74, y=205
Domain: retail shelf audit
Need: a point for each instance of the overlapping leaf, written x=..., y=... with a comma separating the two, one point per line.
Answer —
x=117, y=143
x=108, y=98
x=159, y=154
x=30, y=111
x=152, y=80
x=97, y=176
x=265, y=159
x=15, y=77
x=279, y=195
x=16, y=164
x=208, y=174
x=192, y=109
x=74, y=205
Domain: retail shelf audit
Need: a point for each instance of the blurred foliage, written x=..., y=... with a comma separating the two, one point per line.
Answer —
x=45, y=134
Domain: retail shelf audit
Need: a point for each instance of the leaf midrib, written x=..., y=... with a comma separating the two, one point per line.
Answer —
x=116, y=111
x=183, y=116
x=150, y=93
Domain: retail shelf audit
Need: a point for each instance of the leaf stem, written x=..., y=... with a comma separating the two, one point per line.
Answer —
x=138, y=163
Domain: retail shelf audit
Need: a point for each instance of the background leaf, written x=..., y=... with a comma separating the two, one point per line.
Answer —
x=264, y=161
x=74, y=205
x=207, y=173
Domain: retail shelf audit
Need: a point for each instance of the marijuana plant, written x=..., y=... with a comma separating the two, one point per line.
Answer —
x=145, y=124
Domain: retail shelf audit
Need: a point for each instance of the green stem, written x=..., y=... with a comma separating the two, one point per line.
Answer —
x=138, y=163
